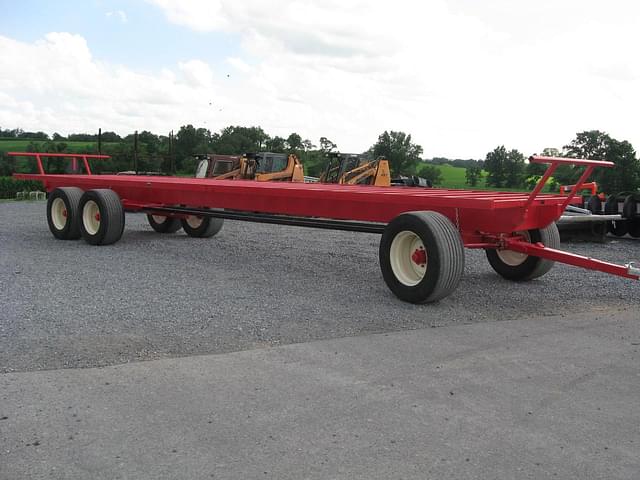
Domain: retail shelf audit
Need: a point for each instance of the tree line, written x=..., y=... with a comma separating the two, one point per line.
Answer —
x=508, y=168
x=174, y=154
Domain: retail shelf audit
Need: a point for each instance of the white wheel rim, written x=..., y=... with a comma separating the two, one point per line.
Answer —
x=159, y=218
x=408, y=258
x=59, y=213
x=194, y=221
x=91, y=217
x=511, y=258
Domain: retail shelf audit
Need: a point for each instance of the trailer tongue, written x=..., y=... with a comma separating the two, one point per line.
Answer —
x=423, y=230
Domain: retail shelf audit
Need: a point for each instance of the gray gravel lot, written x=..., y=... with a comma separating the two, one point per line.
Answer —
x=68, y=304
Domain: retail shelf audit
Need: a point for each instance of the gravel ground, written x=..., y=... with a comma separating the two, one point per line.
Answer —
x=68, y=304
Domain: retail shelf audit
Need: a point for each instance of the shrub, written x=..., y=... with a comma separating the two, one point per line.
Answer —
x=9, y=186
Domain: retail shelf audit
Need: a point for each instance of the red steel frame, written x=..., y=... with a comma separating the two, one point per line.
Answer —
x=485, y=219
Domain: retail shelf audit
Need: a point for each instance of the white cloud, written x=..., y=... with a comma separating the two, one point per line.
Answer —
x=460, y=76
x=61, y=87
x=239, y=64
x=197, y=73
x=119, y=14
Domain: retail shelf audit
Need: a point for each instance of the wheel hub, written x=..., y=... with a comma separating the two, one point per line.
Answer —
x=419, y=257
x=408, y=258
x=194, y=221
x=511, y=258
x=58, y=213
x=91, y=217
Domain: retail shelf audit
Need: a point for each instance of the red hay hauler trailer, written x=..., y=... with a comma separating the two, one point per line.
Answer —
x=424, y=230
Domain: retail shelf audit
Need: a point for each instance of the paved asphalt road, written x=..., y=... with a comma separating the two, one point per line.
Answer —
x=535, y=380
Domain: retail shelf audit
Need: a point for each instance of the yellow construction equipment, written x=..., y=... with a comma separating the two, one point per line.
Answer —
x=262, y=166
x=350, y=169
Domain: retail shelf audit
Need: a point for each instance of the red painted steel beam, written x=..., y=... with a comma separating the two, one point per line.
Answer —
x=539, y=250
x=60, y=155
x=73, y=156
x=570, y=161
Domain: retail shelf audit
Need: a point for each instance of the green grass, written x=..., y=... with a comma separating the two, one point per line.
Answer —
x=455, y=177
x=20, y=145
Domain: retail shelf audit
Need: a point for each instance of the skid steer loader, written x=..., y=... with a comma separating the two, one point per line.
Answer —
x=262, y=166
x=351, y=169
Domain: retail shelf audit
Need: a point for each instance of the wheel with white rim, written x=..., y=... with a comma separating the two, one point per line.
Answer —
x=421, y=257
x=201, y=226
x=164, y=224
x=62, y=213
x=101, y=217
x=520, y=266
x=408, y=258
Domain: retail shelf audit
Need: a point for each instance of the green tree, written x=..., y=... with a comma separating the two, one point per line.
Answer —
x=236, y=140
x=538, y=169
x=276, y=144
x=625, y=176
x=294, y=143
x=473, y=174
x=597, y=145
x=495, y=166
x=307, y=145
x=189, y=141
x=514, y=169
x=431, y=173
x=110, y=137
x=314, y=162
x=402, y=153
x=505, y=169
x=327, y=145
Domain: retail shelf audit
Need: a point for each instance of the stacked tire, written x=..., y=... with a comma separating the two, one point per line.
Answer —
x=626, y=204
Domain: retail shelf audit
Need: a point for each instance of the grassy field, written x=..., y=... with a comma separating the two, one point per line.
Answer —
x=455, y=177
x=20, y=145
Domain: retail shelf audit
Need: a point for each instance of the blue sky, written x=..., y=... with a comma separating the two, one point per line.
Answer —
x=145, y=40
x=460, y=76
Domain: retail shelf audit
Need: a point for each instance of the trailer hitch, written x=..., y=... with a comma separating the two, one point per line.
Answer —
x=632, y=269
x=629, y=270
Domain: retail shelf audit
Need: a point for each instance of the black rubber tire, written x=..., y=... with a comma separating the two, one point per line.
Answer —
x=111, y=223
x=445, y=252
x=599, y=229
x=611, y=205
x=207, y=228
x=630, y=208
x=168, y=225
x=620, y=227
x=532, y=267
x=71, y=198
x=594, y=204
x=634, y=227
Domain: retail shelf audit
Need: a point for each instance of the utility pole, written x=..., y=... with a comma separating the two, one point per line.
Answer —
x=135, y=152
x=172, y=163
